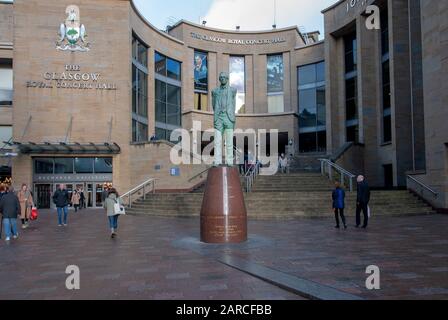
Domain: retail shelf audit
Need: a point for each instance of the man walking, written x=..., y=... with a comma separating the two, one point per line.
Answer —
x=61, y=200
x=362, y=202
x=10, y=208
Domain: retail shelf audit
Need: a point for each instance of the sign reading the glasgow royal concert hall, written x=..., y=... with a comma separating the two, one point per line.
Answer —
x=246, y=42
x=73, y=77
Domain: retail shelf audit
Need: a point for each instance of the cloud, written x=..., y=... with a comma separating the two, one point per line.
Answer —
x=259, y=14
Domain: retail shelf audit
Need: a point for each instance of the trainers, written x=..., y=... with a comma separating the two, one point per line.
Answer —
x=65, y=224
x=15, y=237
x=60, y=225
x=24, y=226
x=8, y=239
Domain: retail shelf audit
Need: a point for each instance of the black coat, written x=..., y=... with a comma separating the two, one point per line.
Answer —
x=61, y=198
x=363, y=195
x=10, y=206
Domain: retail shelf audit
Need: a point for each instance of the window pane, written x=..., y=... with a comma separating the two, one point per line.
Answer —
x=84, y=165
x=307, y=74
x=321, y=141
x=6, y=85
x=276, y=104
x=387, y=129
x=275, y=73
x=173, y=115
x=142, y=132
x=103, y=165
x=321, y=106
x=353, y=134
x=5, y=134
x=43, y=166
x=160, y=64
x=160, y=90
x=63, y=165
x=173, y=68
x=238, y=81
x=142, y=54
x=200, y=71
x=160, y=134
x=134, y=131
x=160, y=111
x=173, y=95
x=320, y=72
x=201, y=101
x=308, y=142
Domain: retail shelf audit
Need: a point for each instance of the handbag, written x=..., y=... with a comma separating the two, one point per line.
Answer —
x=119, y=209
x=34, y=213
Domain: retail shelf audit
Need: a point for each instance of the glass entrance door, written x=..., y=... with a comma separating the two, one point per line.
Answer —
x=44, y=194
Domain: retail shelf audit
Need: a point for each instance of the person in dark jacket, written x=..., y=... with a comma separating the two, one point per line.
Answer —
x=339, y=204
x=10, y=209
x=362, y=202
x=61, y=200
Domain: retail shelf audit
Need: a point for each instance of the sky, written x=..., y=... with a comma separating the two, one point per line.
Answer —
x=227, y=14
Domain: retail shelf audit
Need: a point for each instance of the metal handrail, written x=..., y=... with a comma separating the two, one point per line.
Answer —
x=143, y=186
x=251, y=175
x=424, y=186
x=331, y=165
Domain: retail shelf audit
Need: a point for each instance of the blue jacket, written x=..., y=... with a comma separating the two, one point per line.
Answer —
x=339, y=198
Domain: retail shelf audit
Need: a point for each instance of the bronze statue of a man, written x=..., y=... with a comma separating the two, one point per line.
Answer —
x=224, y=104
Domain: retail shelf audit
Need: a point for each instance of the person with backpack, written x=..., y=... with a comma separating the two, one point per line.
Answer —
x=112, y=204
x=339, y=204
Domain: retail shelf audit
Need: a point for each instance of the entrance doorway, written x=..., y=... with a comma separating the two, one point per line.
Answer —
x=388, y=176
x=44, y=194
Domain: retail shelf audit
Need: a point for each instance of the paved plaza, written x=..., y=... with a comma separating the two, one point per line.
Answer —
x=161, y=258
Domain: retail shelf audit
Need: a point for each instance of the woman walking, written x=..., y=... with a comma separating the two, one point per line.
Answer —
x=109, y=204
x=339, y=205
x=75, y=199
x=26, y=204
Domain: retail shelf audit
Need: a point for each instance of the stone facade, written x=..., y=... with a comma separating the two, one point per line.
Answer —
x=58, y=114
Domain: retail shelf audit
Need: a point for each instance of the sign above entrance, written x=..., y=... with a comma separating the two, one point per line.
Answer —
x=72, y=78
x=72, y=34
x=247, y=42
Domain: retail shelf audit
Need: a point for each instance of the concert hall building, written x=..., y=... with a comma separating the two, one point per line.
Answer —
x=90, y=92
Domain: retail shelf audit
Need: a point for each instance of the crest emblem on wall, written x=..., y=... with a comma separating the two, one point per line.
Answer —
x=72, y=34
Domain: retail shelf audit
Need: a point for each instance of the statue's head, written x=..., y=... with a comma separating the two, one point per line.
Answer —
x=224, y=78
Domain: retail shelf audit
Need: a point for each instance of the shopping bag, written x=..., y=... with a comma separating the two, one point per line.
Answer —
x=34, y=213
x=119, y=209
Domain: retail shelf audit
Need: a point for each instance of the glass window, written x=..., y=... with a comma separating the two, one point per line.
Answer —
x=237, y=80
x=160, y=90
x=160, y=111
x=6, y=84
x=351, y=52
x=84, y=165
x=173, y=115
x=5, y=134
x=307, y=74
x=352, y=134
x=387, y=129
x=161, y=134
x=63, y=165
x=276, y=103
x=201, y=101
x=200, y=71
x=139, y=51
x=43, y=166
x=320, y=72
x=275, y=73
x=139, y=91
x=384, y=32
x=160, y=64
x=103, y=165
x=173, y=68
x=173, y=94
x=312, y=108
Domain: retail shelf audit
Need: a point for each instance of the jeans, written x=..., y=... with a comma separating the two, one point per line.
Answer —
x=65, y=209
x=10, y=224
x=113, y=222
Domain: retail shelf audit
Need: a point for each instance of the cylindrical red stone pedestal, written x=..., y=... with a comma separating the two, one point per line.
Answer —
x=223, y=214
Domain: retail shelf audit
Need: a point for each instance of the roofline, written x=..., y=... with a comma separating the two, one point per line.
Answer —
x=164, y=34
x=333, y=6
x=183, y=21
x=310, y=45
x=6, y=2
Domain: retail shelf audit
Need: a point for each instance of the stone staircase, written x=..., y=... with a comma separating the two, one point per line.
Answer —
x=284, y=197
